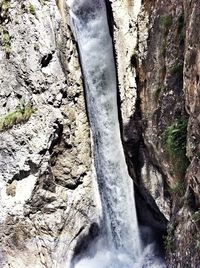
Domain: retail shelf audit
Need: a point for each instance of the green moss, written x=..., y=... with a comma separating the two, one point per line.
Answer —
x=168, y=239
x=198, y=243
x=20, y=115
x=166, y=22
x=159, y=90
x=178, y=189
x=32, y=9
x=196, y=216
x=174, y=141
x=6, y=41
x=163, y=48
x=176, y=69
x=5, y=4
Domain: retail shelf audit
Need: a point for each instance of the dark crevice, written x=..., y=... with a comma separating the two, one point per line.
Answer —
x=46, y=59
x=57, y=135
x=85, y=243
x=22, y=174
x=111, y=24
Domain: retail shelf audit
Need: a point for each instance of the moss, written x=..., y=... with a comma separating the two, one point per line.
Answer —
x=174, y=140
x=159, y=90
x=32, y=9
x=198, y=243
x=6, y=41
x=20, y=115
x=178, y=189
x=176, y=69
x=5, y=5
x=163, y=48
x=165, y=22
x=168, y=239
x=196, y=216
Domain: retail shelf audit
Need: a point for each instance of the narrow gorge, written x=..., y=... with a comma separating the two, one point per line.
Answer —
x=100, y=131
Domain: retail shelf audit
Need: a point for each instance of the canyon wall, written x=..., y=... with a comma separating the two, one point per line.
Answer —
x=161, y=136
x=46, y=195
x=46, y=192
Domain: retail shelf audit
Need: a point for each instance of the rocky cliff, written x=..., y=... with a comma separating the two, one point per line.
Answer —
x=45, y=164
x=158, y=73
x=167, y=118
x=47, y=201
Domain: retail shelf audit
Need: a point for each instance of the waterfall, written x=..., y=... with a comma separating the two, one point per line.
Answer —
x=120, y=241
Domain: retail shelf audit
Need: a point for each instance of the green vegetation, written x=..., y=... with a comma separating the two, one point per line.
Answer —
x=196, y=216
x=6, y=43
x=166, y=22
x=32, y=9
x=159, y=90
x=174, y=140
x=168, y=239
x=163, y=47
x=198, y=243
x=177, y=69
x=20, y=115
x=5, y=4
x=178, y=189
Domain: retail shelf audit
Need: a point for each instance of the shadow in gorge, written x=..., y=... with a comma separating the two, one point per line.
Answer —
x=92, y=252
x=85, y=244
x=152, y=223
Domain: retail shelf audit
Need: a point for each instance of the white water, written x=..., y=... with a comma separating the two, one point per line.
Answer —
x=120, y=245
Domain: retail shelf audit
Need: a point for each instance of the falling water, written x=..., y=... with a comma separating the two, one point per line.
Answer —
x=120, y=241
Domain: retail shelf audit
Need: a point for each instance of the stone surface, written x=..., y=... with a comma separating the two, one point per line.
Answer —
x=46, y=194
x=47, y=205
x=168, y=88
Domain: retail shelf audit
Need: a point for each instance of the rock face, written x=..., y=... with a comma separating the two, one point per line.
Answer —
x=46, y=192
x=167, y=67
x=46, y=195
x=161, y=126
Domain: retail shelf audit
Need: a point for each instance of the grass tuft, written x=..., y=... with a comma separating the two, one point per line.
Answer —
x=168, y=239
x=166, y=23
x=177, y=69
x=19, y=116
x=196, y=216
x=32, y=9
x=174, y=140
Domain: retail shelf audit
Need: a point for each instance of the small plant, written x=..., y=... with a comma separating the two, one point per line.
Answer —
x=178, y=189
x=163, y=48
x=20, y=115
x=198, y=244
x=166, y=22
x=168, y=239
x=196, y=216
x=32, y=9
x=4, y=6
x=177, y=69
x=174, y=140
x=6, y=43
x=159, y=90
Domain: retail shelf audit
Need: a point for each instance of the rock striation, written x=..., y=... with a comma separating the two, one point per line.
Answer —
x=47, y=205
x=46, y=194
